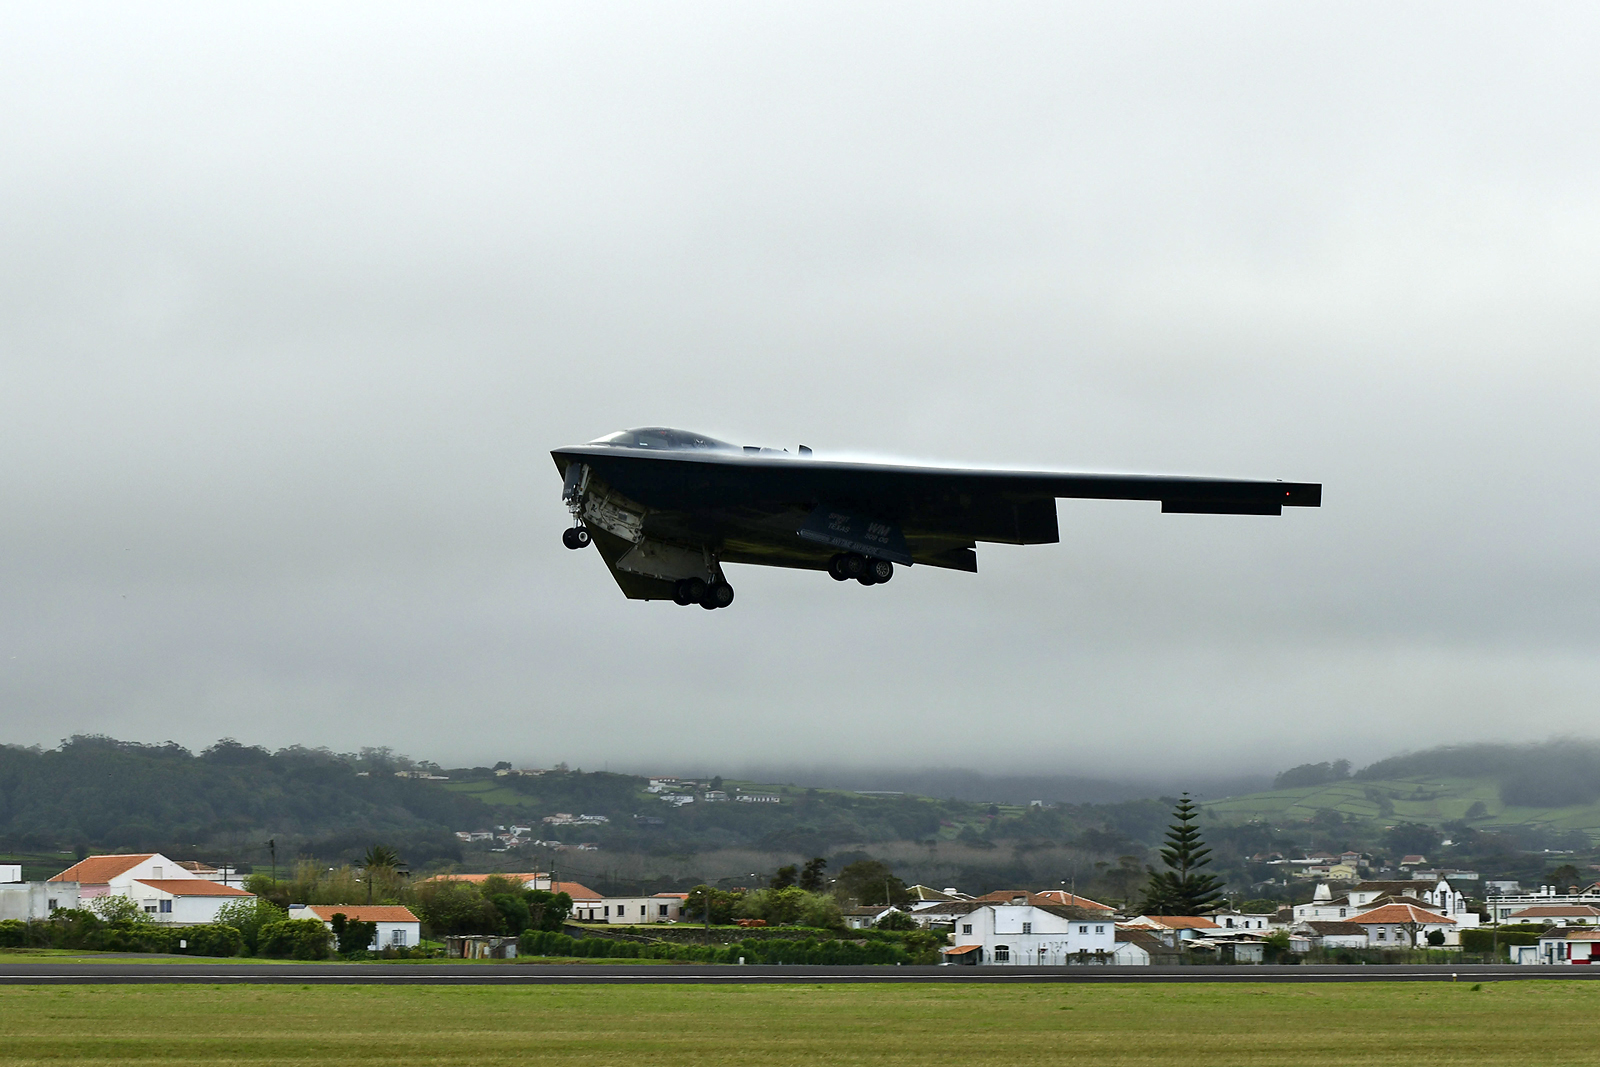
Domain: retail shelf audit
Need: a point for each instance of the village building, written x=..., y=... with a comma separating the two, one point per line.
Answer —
x=1557, y=915
x=1565, y=946
x=396, y=926
x=657, y=908
x=1173, y=929
x=165, y=891
x=1032, y=935
x=1405, y=926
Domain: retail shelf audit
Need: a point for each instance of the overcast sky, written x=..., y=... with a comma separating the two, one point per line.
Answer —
x=295, y=300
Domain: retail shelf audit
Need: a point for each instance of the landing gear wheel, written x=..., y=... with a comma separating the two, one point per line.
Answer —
x=867, y=579
x=689, y=591
x=680, y=593
x=836, y=568
x=576, y=537
x=881, y=570
x=717, y=595
x=853, y=565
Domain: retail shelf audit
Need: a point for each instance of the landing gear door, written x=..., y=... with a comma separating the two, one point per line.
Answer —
x=577, y=481
x=852, y=532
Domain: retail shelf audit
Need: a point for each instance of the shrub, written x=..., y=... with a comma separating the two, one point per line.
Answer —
x=248, y=915
x=212, y=939
x=13, y=933
x=1481, y=940
x=301, y=939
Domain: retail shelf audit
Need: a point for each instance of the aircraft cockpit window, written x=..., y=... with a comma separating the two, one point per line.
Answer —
x=662, y=439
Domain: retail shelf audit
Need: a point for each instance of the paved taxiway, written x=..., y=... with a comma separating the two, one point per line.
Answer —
x=119, y=973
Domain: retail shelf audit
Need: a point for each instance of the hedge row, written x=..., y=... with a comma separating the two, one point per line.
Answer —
x=1481, y=940
x=209, y=940
x=809, y=951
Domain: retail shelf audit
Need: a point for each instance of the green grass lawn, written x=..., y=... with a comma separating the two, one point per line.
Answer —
x=1548, y=1023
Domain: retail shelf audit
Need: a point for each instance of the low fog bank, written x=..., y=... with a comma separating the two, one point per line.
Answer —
x=960, y=784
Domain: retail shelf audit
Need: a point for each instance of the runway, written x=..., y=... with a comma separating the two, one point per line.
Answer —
x=185, y=972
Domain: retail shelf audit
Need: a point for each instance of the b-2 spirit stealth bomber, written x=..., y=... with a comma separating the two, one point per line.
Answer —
x=668, y=508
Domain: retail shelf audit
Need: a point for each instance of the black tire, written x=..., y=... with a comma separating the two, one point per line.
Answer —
x=881, y=570
x=836, y=569
x=853, y=565
x=867, y=579
x=680, y=593
x=708, y=603
x=694, y=589
x=581, y=537
x=718, y=595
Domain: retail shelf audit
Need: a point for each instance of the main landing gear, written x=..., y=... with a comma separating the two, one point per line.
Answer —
x=847, y=565
x=709, y=595
x=576, y=537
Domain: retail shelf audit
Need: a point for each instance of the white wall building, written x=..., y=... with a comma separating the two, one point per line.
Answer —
x=32, y=901
x=397, y=927
x=658, y=908
x=1033, y=935
x=184, y=901
x=167, y=892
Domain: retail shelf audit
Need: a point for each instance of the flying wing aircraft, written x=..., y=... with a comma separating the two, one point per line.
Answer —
x=668, y=508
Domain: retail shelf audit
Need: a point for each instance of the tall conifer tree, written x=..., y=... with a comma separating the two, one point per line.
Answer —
x=1181, y=889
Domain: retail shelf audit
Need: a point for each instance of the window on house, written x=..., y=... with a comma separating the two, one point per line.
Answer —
x=397, y=938
x=1230, y=924
x=52, y=903
x=1027, y=928
x=149, y=909
x=1099, y=929
x=1083, y=929
x=1002, y=953
x=966, y=928
x=1341, y=913
x=663, y=910
x=1383, y=935
x=166, y=907
x=155, y=872
x=608, y=911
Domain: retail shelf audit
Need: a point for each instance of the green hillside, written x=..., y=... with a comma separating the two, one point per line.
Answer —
x=1529, y=791
x=1422, y=799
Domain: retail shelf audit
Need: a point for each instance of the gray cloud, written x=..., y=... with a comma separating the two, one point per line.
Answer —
x=294, y=302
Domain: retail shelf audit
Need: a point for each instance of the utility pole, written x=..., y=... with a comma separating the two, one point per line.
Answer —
x=272, y=850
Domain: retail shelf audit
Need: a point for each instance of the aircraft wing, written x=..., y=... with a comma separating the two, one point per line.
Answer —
x=755, y=505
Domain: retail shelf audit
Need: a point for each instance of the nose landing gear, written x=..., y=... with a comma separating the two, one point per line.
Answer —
x=576, y=537
x=847, y=565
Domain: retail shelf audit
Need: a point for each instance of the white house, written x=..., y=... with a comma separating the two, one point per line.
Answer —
x=29, y=901
x=1502, y=905
x=1332, y=934
x=1565, y=946
x=1032, y=935
x=10, y=872
x=865, y=918
x=397, y=927
x=658, y=908
x=185, y=901
x=167, y=892
x=1173, y=929
x=1557, y=915
x=1395, y=926
x=99, y=876
x=1229, y=919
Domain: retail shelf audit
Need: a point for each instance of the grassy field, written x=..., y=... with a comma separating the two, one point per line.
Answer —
x=1549, y=1023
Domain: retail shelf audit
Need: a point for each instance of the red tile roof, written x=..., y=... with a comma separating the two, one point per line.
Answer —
x=1049, y=896
x=98, y=870
x=1402, y=913
x=364, y=913
x=192, y=887
x=960, y=951
x=478, y=878
x=1554, y=911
